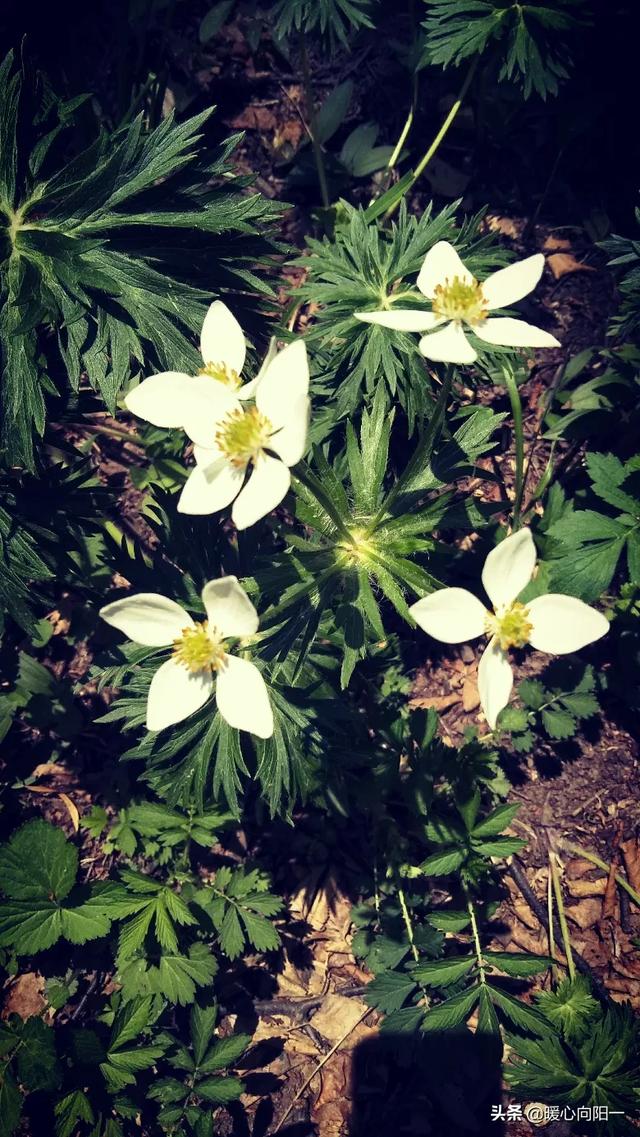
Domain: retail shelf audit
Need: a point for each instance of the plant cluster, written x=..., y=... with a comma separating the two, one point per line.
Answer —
x=224, y=631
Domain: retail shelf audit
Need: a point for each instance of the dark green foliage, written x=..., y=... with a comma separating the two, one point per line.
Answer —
x=624, y=254
x=594, y=1060
x=28, y=1063
x=528, y=41
x=553, y=706
x=38, y=869
x=198, y=1079
x=110, y=257
x=353, y=272
x=336, y=19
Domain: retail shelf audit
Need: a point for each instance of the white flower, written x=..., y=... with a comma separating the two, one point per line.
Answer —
x=269, y=437
x=184, y=683
x=458, y=299
x=160, y=399
x=553, y=623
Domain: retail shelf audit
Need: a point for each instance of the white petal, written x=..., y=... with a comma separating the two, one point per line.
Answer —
x=290, y=442
x=222, y=339
x=160, y=399
x=495, y=681
x=210, y=488
x=441, y=263
x=451, y=615
x=147, y=618
x=401, y=319
x=228, y=607
x=265, y=490
x=206, y=456
x=284, y=382
x=175, y=693
x=564, y=623
x=448, y=346
x=510, y=284
x=242, y=697
x=509, y=568
x=205, y=412
x=249, y=389
x=514, y=333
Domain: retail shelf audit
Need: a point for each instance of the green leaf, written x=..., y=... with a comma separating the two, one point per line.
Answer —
x=558, y=723
x=71, y=1109
x=452, y=1012
x=441, y=864
x=38, y=863
x=498, y=820
x=519, y=964
x=499, y=847
x=389, y=990
x=214, y=19
x=333, y=111
x=10, y=1104
x=202, y=1024
x=521, y=1015
x=225, y=1052
x=220, y=1090
x=442, y=972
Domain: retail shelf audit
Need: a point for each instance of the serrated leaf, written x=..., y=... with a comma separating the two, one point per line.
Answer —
x=558, y=723
x=219, y=1091
x=389, y=990
x=38, y=863
x=441, y=864
x=225, y=1052
x=452, y=1012
x=519, y=964
x=442, y=972
x=521, y=1015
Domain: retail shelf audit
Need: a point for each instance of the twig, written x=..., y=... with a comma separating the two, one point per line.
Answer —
x=323, y=1061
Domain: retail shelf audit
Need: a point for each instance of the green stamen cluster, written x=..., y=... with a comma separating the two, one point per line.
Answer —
x=512, y=627
x=243, y=435
x=198, y=648
x=460, y=300
x=223, y=373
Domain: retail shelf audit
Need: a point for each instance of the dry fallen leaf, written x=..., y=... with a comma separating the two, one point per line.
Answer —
x=337, y=1016
x=563, y=263
x=26, y=996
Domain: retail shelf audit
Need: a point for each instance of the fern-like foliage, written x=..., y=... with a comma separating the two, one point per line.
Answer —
x=530, y=40
x=96, y=250
x=335, y=19
x=356, y=270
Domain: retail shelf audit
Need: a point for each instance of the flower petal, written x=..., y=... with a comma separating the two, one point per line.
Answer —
x=242, y=697
x=290, y=442
x=564, y=623
x=160, y=399
x=228, y=607
x=509, y=568
x=441, y=263
x=147, y=618
x=175, y=693
x=284, y=382
x=205, y=412
x=450, y=615
x=401, y=319
x=514, y=333
x=265, y=489
x=510, y=284
x=495, y=681
x=222, y=339
x=249, y=389
x=206, y=455
x=210, y=488
x=448, y=346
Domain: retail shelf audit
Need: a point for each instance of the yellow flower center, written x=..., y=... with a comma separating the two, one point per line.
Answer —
x=511, y=626
x=460, y=300
x=357, y=549
x=199, y=648
x=243, y=435
x=223, y=373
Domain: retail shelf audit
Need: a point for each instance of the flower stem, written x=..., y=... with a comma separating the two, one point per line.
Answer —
x=311, y=115
x=426, y=158
x=516, y=410
x=562, y=918
x=475, y=931
x=578, y=851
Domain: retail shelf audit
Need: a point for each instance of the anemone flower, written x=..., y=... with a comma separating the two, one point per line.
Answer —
x=232, y=440
x=160, y=399
x=200, y=661
x=552, y=623
x=459, y=301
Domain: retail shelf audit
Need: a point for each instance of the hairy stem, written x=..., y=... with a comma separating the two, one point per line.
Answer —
x=475, y=931
x=426, y=158
x=518, y=431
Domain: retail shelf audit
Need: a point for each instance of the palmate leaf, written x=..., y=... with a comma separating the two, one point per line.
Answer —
x=38, y=869
x=175, y=976
x=101, y=248
x=354, y=271
x=239, y=905
x=529, y=40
